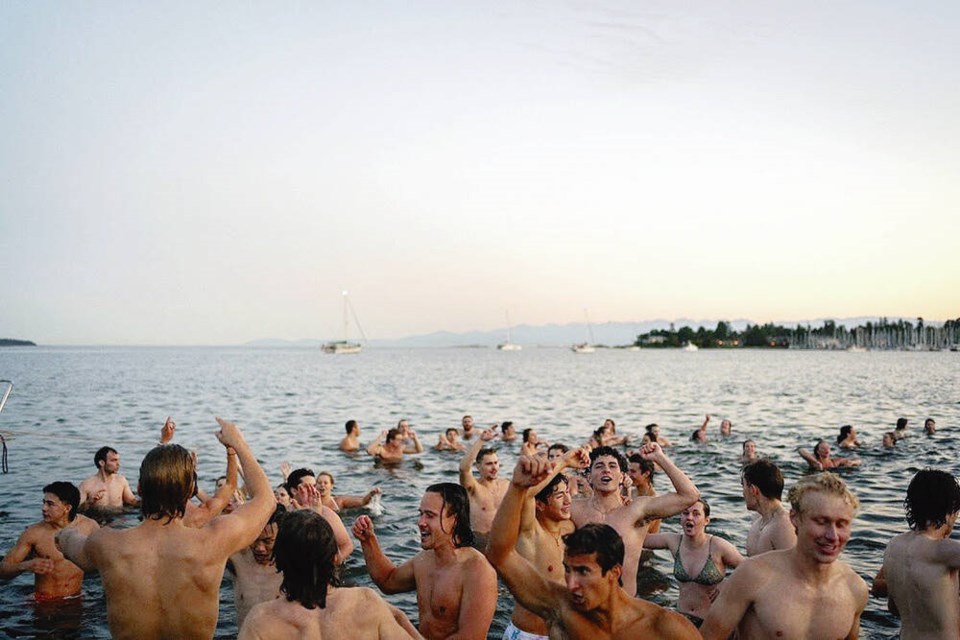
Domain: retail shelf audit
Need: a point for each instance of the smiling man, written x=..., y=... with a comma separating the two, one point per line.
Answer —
x=589, y=603
x=487, y=492
x=826, y=597
x=632, y=521
x=456, y=586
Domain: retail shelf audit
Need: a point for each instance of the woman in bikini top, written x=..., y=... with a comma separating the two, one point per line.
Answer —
x=692, y=550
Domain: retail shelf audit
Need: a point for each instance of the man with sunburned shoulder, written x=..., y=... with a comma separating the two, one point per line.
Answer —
x=921, y=565
x=802, y=593
x=456, y=586
x=487, y=492
x=36, y=550
x=590, y=603
x=631, y=521
x=162, y=578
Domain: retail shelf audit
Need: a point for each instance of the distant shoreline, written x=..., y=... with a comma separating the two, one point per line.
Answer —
x=10, y=342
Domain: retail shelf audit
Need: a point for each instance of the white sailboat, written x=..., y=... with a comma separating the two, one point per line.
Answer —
x=509, y=346
x=585, y=347
x=345, y=346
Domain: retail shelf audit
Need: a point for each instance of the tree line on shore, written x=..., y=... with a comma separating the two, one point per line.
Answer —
x=883, y=334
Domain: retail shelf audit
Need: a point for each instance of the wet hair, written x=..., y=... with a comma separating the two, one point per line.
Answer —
x=600, y=539
x=350, y=426
x=167, y=481
x=817, y=446
x=824, y=482
x=392, y=433
x=457, y=503
x=506, y=425
x=277, y=516
x=525, y=436
x=745, y=443
x=901, y=424
x=609, y=451
x=544, y=494
x=558, y=445
x=101, y=455
x=305, y=553
x=706, y=506
x=296, y=476
x=613, y=425
x=650, y=427
x=695, y=436
x=483, y=453
x=765, y=476
x=844, y=432
x=68, y=495
x=932, y=496
x=646, y=467
x=401, y=421
x=452, y=430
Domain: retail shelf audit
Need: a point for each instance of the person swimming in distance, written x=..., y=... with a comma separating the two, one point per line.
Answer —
x=889, y=440
x=389, y=448
x=929, y=426
x=314, y=606
x=749, y=452
x=466, y=424
x=726, y=428
x=847, y=439
x=325, y=484
x=900, y=431
x=508, y=432
x=821, y=460
x=691, y=549
x=450, y=441
x=653, y=429
x=351, y=441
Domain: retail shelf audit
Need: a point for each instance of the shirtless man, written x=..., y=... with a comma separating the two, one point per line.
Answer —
x=544, y=520
x=762, y=485
x=930, y=426
x=467, y=424
x=921, y=565
x=641, y=472
x=450, y=441
x=36, y=551
x=900, y=431
x=106, y=490
x=821, y=460
x=631, y=521
x=487, y=492
x=456, y=586
x=255, y=578
x=749, y=453
x=801, y=593
x=590, y=603
x=302, y=486
x=313, y=608
x=389, y=448
x=351, y=441
x=530, y=442
x=508, y=432
x=162, y=578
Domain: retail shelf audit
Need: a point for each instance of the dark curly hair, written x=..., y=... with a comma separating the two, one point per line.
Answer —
x=305, y=553
x=932, y=496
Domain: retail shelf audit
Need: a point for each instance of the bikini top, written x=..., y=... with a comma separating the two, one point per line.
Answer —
x=710, y=574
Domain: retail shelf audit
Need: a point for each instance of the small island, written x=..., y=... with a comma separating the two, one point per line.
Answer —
x=10, y=342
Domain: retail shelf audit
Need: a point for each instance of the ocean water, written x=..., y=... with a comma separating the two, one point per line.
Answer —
x=292, y=404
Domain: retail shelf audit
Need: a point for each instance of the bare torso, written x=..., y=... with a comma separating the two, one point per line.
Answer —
x=923, y=585
x=767, y=535
x=545, y=552
x=633, y=618
x=485, y=497
x=254, y=582
x=65, y=578
x=632, y=531
x=104, y=493
x=440, y=589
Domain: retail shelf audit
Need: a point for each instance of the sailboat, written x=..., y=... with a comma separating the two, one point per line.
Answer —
x=345, y=346
x=585, y=347
x=509, y=346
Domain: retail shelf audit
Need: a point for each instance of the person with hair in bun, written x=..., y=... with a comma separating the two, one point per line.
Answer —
x=456, y=586
x=312, y=604
x=921, y=565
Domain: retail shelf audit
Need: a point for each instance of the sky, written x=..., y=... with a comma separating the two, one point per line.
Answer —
x=213, y=173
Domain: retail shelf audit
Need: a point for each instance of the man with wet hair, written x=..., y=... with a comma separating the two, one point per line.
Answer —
x=389, y=447
x=921, y=565
x=314, y=606
x=803, y=592
x=106, y=490
x=487, y=492
x=162, y=578
x=930, y=426
x=456, y=586
x=255, y=577
x=632, y=521
x=351, y=441
x=36, y=550
x=590, y=602
x=900, y=432
x=303, y=490
x=762, y=485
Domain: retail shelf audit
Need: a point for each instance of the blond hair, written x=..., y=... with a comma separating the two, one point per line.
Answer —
x=824, y=482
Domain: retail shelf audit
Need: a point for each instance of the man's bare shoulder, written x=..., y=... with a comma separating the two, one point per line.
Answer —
x=84, y=524
x=670, y=625
x=474, y=560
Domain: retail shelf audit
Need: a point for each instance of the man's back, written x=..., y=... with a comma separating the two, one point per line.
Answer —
x=923, y=584
x=349, y=613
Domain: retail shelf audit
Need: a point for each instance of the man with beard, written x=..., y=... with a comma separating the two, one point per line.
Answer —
x=631, y=521
x=456, y=586
x=804, y=592
x=106, y=490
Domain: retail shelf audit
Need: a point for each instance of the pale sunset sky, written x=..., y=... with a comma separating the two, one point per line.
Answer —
x=217, y=172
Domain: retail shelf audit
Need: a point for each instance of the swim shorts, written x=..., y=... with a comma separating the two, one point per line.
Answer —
x=512, y=633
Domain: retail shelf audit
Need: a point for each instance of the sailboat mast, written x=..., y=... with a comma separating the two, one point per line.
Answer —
x=344, y=316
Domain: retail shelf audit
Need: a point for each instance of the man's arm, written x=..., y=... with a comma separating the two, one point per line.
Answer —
x=215, y=505
x=389, y=577
x=783, y=536
x=527, y=585
x=374, y=447
x=861, y=593
x=659, y=541
x=806, y=455
x=417, y=446
x=351, y=502
x=344, y=544
x=731, y=605
x=242, y=526
x=665, y=504
x=478, y=602
x=15, y=562
x=77, y=548
x=128, y=498
x=467, y=481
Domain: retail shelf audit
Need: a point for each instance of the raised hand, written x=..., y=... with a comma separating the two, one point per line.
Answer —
x=530, y=471
x=229, y=434
x=489, y=434
x=578, y=458
x=363, y=529
x=285, y=470
x=651, y=451
x=308, y=496
x=167, y=430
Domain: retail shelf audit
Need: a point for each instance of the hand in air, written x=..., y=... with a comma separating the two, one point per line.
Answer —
x=363, y=529
x=229, y=434
x=530, y=471
x=285, y=470
x=489, y=434
x=578, y=458
x=308, y=496
x=651, y=451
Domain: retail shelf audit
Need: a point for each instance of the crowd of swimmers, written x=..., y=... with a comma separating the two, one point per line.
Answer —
x=565, y=534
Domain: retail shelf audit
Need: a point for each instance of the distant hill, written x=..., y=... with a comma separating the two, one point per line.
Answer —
x=551, y=335
x=10, y=342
